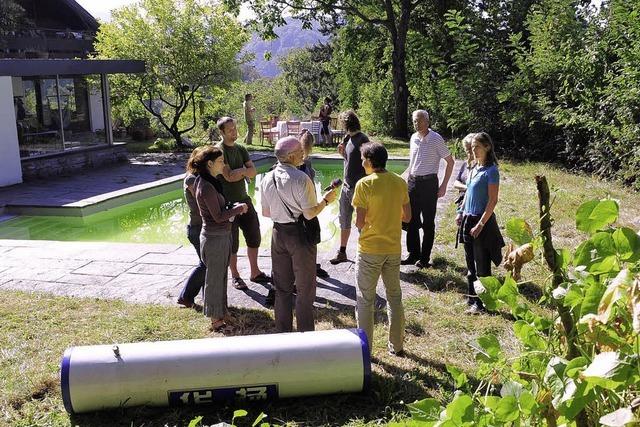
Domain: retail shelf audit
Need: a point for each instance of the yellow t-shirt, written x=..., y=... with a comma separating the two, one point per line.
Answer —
x=382, y=195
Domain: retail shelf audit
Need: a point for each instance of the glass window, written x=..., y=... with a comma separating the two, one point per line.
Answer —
x=52, y=118
x=38, y=131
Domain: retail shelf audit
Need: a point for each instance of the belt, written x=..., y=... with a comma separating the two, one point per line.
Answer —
x=285, y=224
x=423, y=177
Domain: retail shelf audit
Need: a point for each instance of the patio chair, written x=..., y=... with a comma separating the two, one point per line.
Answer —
x=336, y=134
x=315, y=130
x=266, y=132
x=293, y=128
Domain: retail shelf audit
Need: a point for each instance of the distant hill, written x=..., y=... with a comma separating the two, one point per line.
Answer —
x=291, y=36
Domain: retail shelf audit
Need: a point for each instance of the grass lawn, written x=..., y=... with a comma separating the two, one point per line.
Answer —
x=36, y=328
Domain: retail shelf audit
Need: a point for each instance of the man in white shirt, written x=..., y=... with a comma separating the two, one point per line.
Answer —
x=426, y=149
x=286, y=193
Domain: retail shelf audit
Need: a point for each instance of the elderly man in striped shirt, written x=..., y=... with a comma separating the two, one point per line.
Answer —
x=426, y=149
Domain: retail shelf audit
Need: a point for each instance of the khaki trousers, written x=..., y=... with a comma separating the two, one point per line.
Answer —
x=369, y=267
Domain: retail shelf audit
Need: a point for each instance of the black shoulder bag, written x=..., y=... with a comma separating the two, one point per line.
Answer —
x=309, y=229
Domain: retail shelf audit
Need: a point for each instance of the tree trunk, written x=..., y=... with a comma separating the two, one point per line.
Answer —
x=399, y=74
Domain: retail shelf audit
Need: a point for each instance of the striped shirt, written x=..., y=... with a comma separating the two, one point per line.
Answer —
x=425, y=153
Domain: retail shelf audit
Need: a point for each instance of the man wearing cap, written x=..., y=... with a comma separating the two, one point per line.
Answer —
x=286, y=193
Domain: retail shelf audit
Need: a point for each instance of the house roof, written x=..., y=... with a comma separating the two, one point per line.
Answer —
x=85, y=16
x=44, y=67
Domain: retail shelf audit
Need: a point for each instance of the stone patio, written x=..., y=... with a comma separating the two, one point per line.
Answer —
x=141, y=273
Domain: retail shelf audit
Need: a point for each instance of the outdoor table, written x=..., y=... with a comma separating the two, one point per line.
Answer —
x=281, y=128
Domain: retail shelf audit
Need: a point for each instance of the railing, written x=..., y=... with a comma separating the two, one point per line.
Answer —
x=55, y=43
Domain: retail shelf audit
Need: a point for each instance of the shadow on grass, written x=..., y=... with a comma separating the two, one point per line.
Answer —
x=444, y=275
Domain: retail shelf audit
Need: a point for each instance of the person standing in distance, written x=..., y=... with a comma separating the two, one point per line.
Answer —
x=325, y=118
x=239, y=166
x=426, y=149
x=249, y=111
x=349, y=148
x=381, y=200
x=287, y=193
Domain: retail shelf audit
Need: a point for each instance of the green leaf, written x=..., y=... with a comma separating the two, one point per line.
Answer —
x=459, y=377
x=529, y=336
x=595, y=215
x=460, y=409
x=508, y=409
x=563, y=256
x=487, y=291
x=605, y=265
x=575, y=366
x=527, y=403
x=574, y=296
x=604, y=244
x=576, y=397
x=519, y=231
x=508, y=292
x=196, y=421
x=592, y=297
x=425, y=410
x=489, y=348
x=259, y=418
x=239, y=413
x=583, y=254
x=627, y=244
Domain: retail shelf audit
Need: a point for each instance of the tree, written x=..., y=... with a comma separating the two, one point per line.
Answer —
x=187, y=46
x=392, y=15
x=12, y=16
x=308, y=76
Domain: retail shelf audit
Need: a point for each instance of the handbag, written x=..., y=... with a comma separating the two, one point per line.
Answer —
x=309, y=229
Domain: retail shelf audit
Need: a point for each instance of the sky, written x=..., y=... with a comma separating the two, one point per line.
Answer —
x=101, y=9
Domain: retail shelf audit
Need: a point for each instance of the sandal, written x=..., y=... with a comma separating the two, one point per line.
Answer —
x=261, y=278
x=239, y=284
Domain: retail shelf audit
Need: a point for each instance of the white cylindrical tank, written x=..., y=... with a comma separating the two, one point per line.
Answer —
x=253, y=367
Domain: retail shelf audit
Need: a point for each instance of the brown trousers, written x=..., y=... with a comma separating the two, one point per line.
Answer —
x=293, y=263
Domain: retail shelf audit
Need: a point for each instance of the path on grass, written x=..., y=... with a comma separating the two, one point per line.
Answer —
x=147, y=273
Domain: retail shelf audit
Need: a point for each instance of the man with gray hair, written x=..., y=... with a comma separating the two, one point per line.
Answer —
x=287, y=193
x=426, y=149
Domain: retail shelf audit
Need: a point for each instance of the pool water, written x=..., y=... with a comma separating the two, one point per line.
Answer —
x=161, y=219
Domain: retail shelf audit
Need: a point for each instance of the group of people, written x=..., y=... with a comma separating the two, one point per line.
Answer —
x=384, y=203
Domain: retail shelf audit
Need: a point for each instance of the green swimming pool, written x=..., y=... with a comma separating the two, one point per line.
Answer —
x=159, y=219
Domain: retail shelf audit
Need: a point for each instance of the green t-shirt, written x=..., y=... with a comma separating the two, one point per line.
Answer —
x=235, y=157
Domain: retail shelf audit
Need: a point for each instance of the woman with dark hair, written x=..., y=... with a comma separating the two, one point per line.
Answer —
x=215, y=238
x=196, y=278
x=325, y=118
x=478, y=228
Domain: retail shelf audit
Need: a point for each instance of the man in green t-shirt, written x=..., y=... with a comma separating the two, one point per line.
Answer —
x=238, y=166
x=382, y=203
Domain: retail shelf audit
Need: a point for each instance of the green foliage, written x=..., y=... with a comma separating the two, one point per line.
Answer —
x=375, y=112
x=12, y=17
x=187, y=48
x=541, y=386
x=308, y=77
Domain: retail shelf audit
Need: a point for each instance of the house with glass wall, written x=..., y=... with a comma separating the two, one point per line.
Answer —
x=54, y=108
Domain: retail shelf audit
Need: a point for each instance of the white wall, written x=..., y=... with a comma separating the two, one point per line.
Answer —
x=10, y=169
x=96, y=110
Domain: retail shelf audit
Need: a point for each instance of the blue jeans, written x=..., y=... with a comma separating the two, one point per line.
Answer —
x=195, y=282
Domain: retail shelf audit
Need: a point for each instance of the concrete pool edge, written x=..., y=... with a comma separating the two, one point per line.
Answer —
x=114, y=199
